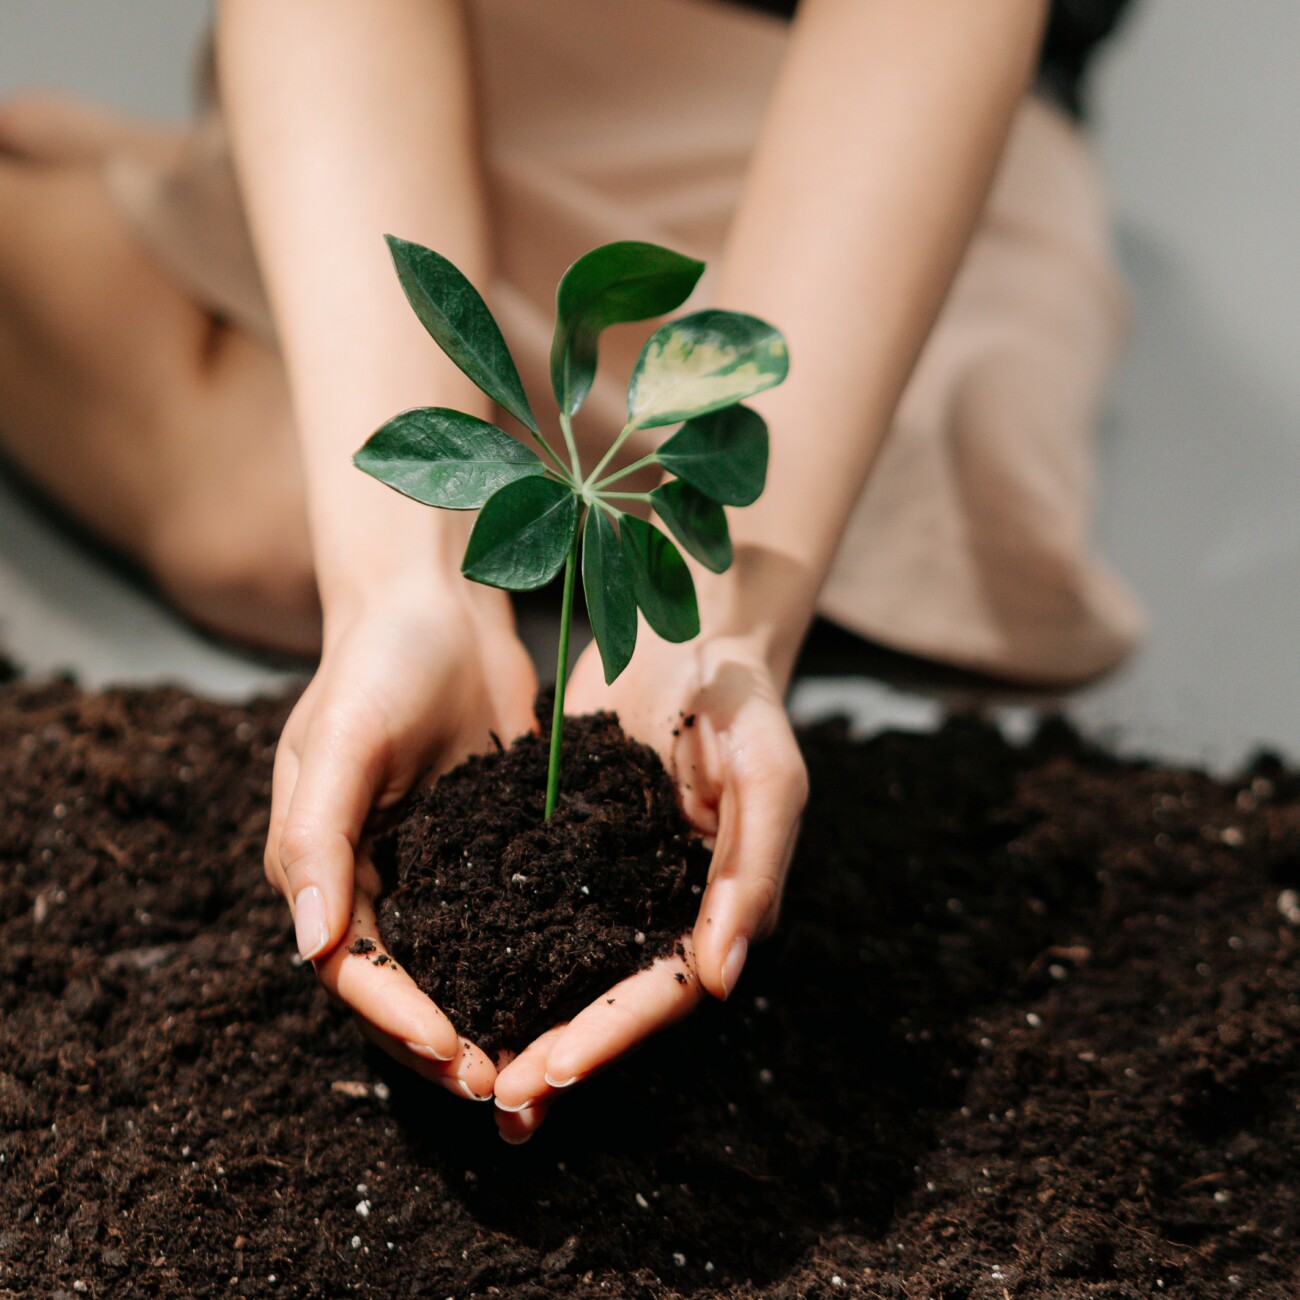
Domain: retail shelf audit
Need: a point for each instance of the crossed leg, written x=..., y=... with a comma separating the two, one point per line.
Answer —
x=165, y=432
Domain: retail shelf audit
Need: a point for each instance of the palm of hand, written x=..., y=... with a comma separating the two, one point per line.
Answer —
x=404, y=690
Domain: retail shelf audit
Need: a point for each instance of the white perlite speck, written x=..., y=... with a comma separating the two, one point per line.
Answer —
x=363, y=1209
x=679, y=1259
x=642, y=1202
x=356, y=1243
x=1288, y=903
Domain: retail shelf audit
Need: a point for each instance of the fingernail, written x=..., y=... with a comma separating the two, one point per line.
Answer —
x=310, y=924
x=513, y=1110
x=423, y=1049
x=516, y=1141
x=562, y=1083
x=460, y=1086
x=734, y=964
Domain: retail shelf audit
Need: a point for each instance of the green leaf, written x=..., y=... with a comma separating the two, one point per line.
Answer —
x=702, y=363
x=445, y=458
x=523, y=535
x=660, y=579
x=697, y=522
x=450, y=308
x=607, y=584
x=619, y=282
x=723, y=454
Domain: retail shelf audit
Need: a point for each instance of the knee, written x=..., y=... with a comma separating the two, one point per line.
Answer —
x=245, y=577
x=24, y=121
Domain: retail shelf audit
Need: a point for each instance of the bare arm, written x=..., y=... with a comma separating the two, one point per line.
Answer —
x=351, y=119
x=348, y=121
x=876, y=156
x=874, y=161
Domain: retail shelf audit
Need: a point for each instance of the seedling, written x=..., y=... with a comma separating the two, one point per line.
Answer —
x=540, y=515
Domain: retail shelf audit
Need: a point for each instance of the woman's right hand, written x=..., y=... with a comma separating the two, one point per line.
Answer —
x=412, y=679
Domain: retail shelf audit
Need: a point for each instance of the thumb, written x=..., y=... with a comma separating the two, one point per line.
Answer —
x=758, y=826
x=336, y=784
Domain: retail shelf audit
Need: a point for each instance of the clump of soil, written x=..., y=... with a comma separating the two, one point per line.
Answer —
x=513, y=924
x=1030, y=1031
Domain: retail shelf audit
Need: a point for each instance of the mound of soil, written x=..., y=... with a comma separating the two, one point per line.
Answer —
x=513, y=924
x=1031, y=1028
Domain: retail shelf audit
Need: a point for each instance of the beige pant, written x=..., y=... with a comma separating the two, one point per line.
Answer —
x=635, y=121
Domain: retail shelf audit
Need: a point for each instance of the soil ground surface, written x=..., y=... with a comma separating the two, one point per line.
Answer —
x=1031, y=1028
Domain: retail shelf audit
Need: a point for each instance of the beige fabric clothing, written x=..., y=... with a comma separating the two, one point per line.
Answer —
x=635, y=121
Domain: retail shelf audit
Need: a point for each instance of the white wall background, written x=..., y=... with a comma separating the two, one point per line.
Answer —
x=1198, y=115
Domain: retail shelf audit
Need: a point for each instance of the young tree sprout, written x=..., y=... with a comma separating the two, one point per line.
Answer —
x=540, y=515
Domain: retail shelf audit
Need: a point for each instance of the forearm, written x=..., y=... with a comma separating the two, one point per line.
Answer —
x=348, y=121
x=878, y=150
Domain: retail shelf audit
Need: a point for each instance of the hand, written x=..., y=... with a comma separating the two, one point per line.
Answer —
x=410, y=681
x=743, y=784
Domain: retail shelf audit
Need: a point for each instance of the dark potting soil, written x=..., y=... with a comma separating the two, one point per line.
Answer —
x=1030, y=1028
x=513, y=924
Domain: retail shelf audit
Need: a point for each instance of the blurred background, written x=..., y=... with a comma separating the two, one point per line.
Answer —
x=1196, y=110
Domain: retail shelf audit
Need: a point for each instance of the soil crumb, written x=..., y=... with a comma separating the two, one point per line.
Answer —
x=1030, y=1031
x=554, y=913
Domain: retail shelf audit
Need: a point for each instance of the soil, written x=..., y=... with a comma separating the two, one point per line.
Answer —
x=1029, y=1029
x=553, y=912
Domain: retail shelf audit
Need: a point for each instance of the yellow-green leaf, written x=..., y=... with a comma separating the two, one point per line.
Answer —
x=702, y=363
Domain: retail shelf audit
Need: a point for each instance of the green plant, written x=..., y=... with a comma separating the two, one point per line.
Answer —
x=537, y=515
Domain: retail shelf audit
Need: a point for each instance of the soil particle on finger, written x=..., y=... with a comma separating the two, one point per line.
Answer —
x=184, y=1113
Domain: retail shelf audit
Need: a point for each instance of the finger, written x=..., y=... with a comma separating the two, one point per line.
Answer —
x=641, y=1005
x=756, y=838
x=361, y=973
x=517, y=1127
x=522, y=1082
x=284, y=776
x=459, y=1076
x=339, y=774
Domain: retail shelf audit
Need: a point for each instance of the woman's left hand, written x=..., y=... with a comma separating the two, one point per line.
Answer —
x=713, y=709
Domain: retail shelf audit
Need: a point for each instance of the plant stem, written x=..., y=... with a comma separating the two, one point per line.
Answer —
x=651, y=459
x=626, y=496
x=566, y=425
x=609, y=455
x=561, y=676
x=559, y=464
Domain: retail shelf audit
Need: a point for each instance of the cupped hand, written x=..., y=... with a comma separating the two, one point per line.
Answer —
x=411, y=681
x=713, y=709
